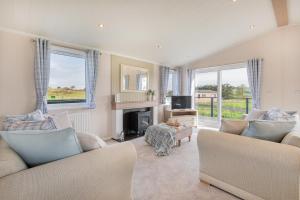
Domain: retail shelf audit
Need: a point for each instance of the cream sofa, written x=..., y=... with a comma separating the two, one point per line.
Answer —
x=99, y=174
x=249, y=168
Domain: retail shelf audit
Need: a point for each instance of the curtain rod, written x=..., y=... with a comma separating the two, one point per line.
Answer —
x=76, y=47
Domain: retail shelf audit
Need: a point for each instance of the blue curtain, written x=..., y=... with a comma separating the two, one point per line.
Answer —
x=91, y=76
x=190, y=80
x=42, y=73
x=164, y=79
x=177, y=84
x=254, y=71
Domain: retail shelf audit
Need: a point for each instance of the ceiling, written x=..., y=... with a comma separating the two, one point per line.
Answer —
x=185, y=29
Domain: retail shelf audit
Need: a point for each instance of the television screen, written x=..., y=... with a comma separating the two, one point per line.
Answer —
x=181, y=102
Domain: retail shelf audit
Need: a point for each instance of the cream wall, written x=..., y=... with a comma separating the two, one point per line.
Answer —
x=17, y=90
x=280, y=50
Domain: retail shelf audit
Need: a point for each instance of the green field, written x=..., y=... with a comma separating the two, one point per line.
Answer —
x=231, y=108
x=65, y=94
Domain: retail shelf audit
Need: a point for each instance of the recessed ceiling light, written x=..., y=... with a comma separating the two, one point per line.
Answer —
x=158, y=46
x=252, y=27
x=234, y=1
x=100, y=25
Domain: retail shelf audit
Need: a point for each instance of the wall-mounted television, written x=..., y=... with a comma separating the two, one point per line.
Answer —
x=181, y=102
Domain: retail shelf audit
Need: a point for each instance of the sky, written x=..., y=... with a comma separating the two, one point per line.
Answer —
x=66, y=71
x=235, y=77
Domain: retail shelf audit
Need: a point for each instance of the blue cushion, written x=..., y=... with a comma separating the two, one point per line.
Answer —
x=38, y=147
x=273, y=131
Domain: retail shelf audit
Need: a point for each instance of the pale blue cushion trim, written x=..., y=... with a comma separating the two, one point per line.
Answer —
x=42, y=146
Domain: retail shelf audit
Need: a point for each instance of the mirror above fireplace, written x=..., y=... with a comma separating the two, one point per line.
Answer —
x=134, y=79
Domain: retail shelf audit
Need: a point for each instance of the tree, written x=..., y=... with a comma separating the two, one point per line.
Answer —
x=227, y=91
x=72, y=87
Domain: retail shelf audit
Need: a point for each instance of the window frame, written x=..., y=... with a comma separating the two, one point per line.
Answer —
x=65, y=51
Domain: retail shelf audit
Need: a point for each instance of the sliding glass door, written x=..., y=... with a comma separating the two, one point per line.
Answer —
x=206, y=98
x=220, y=93
x=236, y=96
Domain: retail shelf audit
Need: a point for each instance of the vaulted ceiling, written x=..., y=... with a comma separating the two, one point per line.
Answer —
x=171, y=32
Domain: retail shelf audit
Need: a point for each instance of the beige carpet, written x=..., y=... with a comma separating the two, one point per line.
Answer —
x=173, y=177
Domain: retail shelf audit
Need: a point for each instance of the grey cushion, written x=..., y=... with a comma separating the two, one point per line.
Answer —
x=42, y=146
x=273, y=131
x=233, y=126
x=10, y=162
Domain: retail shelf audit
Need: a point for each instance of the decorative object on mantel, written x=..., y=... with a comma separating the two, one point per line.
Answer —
x=117, y=98
x=150, y=95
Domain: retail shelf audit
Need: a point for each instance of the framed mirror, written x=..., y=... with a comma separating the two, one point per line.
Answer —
x=134, y=79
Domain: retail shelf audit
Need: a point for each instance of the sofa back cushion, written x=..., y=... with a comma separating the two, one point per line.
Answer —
x=42, y=146
x=233, y=126
x=10, y=162
x=273, y=131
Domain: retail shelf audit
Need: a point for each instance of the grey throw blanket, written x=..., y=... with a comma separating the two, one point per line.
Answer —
x=161, y=137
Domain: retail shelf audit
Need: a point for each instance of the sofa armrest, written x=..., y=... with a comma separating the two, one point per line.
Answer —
x=100, y=174
x=267, y=169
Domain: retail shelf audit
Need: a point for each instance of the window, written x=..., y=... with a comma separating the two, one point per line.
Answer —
x=67, y=76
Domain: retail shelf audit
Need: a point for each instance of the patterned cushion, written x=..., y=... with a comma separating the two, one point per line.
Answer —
x=276, y=114
x=13, y=125
x=36, y=115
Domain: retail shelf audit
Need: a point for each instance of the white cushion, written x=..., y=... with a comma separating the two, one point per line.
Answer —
x=233, y=126
x=90, y=142
x=292, y=138
x=61, y=120
x=255, y=114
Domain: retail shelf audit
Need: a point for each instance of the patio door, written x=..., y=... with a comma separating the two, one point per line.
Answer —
x=221, y=92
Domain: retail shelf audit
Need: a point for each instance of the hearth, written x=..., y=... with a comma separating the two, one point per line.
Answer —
x=136, y=121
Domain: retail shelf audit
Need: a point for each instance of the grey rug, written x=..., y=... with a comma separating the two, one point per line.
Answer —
x=173, y=177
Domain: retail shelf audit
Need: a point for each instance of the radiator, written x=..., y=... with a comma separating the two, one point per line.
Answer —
x=81, y=121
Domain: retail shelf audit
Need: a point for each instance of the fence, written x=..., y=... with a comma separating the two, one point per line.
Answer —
x=231, y=108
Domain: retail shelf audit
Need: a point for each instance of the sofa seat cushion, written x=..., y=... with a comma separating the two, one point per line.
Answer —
x=273, y=131
x=233, y=126
x=10, y=162
x=42, y=146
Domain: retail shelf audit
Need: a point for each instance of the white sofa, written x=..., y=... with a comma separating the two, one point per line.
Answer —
x=99, y=174
x=249, y=168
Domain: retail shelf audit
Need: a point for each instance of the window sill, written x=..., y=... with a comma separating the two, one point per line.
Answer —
x=67, y=106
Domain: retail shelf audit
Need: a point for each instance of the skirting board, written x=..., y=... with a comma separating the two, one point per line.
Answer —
x=228, y=188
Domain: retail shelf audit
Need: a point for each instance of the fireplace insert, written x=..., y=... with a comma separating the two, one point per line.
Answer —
x=136, y=121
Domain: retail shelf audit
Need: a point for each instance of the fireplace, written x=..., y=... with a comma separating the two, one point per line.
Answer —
x=136, y=121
